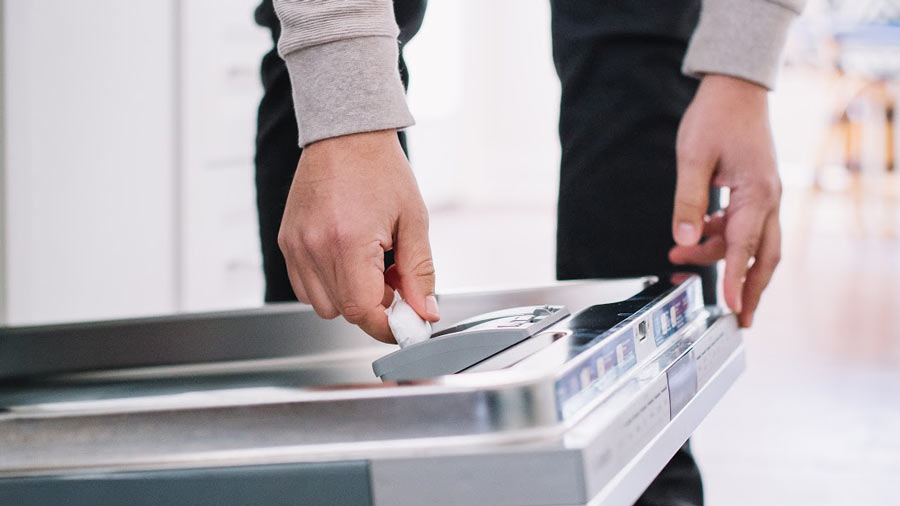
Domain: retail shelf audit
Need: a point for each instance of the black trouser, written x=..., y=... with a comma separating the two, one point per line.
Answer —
x=622, y=97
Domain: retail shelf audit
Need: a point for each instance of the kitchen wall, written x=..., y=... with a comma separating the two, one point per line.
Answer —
x=90, y=158
x=130, y=130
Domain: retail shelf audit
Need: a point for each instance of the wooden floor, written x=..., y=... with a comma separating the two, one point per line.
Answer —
x=816, y=418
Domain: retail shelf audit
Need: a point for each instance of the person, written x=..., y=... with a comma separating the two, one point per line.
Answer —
x=662, y=102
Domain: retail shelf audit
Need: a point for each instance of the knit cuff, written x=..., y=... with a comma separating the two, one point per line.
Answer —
x=739, y=38
x=347, y=86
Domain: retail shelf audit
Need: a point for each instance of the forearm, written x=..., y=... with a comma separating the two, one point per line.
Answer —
x=741, y=38
x=342, y=59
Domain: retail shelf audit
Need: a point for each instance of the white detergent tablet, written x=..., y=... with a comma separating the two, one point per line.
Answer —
x=408, y=328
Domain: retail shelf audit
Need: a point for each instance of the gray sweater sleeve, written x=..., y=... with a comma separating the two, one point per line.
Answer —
x=342, y=58
x=741, y=38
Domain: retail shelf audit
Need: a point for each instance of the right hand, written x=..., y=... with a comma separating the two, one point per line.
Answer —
x=353, y=198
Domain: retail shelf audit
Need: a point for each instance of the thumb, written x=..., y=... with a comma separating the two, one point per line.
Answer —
x=691, y=198
x=414, y=267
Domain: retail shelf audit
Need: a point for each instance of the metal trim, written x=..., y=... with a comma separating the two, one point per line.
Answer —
x=4, y=232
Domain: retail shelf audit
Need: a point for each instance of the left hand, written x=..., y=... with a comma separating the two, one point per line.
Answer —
x=724, y=140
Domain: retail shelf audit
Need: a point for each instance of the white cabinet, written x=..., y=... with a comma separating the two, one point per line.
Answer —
x=128, y=131
x=220, y=85
x=89, y=158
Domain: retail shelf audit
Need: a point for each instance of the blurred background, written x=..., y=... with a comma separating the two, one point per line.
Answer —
x=127, y=189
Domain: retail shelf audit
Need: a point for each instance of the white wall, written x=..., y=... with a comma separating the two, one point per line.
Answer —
x=486, y=100
x=220, y=85
x=485, y=147
x=88, y=121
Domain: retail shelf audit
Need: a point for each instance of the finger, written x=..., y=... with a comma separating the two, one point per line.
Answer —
x=297, y=285
x=714, y=224
x=378, y=328
x=293, y=257
x=359, y=287
x=415, y=267
x=392, y=278
x=391, y=282
x=760, y=273
x=388, y=297
x=710, y=251
x=695, y=170
x=318, y=297
x=742, y=237
x=707, y=252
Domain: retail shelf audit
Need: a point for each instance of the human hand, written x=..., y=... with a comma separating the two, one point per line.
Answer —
x=724, y=140
x=353, y=198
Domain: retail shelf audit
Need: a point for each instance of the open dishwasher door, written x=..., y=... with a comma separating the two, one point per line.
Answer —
x=576, y=393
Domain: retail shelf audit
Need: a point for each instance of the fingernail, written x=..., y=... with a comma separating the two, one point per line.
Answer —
x=686, y=234
x=432, y=307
